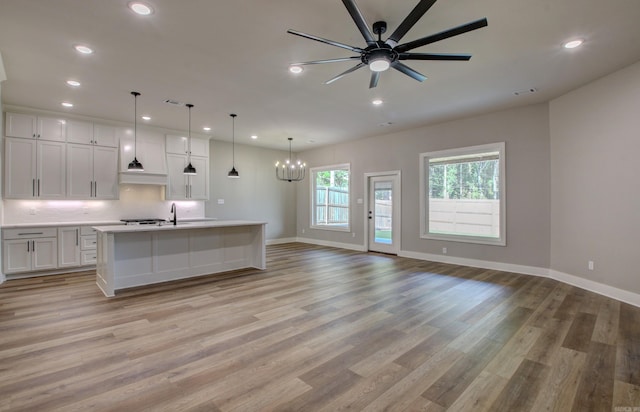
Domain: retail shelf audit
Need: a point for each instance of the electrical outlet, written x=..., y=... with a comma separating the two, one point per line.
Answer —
x=303, y=231
x=353, y=234
x=590, y=265
x=32, y=211
x=444, y=250
x=221, y=201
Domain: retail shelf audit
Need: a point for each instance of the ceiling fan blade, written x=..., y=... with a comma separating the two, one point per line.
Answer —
x=340, y=59
x=359, y=20
x=409, y=21
x=326, y=41
x=375, y=76
x=442, y=35
x=434, y=56
x=409, y=71
x=344, y=73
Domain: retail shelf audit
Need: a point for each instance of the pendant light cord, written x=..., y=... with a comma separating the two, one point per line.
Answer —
x=189, y=144
x=135, y=124
x=233, y=140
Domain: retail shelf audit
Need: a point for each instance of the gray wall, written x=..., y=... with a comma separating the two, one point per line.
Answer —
x=257, y=194
x=526, y=133
x=595, y=189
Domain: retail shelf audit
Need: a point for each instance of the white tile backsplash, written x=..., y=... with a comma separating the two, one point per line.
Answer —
x=136, y=201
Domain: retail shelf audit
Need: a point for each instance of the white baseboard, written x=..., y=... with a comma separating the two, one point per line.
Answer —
x=348, y=246
x=281, y=240
x=596, y=287
x=599, y=288
x=476, y=263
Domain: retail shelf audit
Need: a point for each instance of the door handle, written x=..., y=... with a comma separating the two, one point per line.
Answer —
x=370, y=214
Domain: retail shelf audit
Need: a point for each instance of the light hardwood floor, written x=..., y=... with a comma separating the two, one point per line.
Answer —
x=321, y=329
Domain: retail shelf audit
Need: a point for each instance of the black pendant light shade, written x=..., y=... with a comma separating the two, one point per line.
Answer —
x=233, y=173
x=135, y=165
x=189, y=170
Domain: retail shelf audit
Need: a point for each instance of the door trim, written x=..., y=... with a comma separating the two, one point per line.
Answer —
x=397, y=173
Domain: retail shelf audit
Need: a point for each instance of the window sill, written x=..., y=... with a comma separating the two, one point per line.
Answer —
x=332, y=228
x=465, y=239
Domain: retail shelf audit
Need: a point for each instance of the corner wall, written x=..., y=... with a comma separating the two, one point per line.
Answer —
x=595, y=180
x=257, y=194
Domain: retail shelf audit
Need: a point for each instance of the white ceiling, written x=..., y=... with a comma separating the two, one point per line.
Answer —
x=232, y=56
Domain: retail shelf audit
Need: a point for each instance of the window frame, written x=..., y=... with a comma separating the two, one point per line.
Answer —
x=313, y=224
x=424, y=193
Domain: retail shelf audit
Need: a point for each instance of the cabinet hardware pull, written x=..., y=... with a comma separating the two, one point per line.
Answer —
x=77, y=230
x=33, y=187
x=28, y=242
x=95, y=191
x=34, y=245
x=30, y=233
x=38, y=187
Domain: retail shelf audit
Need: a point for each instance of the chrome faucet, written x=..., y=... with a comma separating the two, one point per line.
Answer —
x=175, y=213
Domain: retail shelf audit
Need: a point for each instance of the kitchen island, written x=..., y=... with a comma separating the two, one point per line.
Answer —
x=130, y=256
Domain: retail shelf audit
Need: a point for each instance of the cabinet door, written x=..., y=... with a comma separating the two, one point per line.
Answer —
x=199, y=184
x=20, y=125
x=51, y=129
x=44, y=253
x=79, y=132
x=68, y=246
x=19, y=168
x=199, y=147
x=176, y=144
x=79, y=171
x=51, y=165
x=105, y=173
x=105, y=135
x=16, y=255
x=177, y=185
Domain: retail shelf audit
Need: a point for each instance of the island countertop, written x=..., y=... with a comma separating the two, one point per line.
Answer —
x=180, y=226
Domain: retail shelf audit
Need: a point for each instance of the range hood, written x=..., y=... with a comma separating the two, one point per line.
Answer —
x=150, y=151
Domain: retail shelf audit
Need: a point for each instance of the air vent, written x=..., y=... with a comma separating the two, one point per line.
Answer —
x=525, y=91
x=174, y=102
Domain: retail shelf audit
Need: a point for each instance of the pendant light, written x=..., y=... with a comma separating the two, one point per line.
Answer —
x=135, y=165
x=290, y=171
x=189, y=170
x=233, y=173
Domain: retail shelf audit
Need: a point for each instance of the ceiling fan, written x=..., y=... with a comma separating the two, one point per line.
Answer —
x=380, y=55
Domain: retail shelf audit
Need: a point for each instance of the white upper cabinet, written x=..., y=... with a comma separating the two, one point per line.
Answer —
x=79, y=132
x=35, y=127
x=180, y=145
x=181, y=186
x=92, y=172
x=34, y=169
x=105, y=135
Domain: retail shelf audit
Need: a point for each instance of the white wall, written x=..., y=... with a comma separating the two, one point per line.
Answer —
x=526, y=133
x=595, y=180
x=257, y=194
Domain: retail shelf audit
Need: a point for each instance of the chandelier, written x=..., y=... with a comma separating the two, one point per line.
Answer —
x=289, y=170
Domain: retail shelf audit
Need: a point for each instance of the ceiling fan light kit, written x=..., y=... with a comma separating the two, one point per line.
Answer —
x=381, y=55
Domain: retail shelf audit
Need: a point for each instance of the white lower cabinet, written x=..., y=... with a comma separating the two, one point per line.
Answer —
x=29, y=249
x=68, y=246
x=38, y=249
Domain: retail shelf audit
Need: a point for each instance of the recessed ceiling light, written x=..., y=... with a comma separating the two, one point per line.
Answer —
x=67, y=104
x=573, y=44
x=377, y=102
x=140, y=8
x=206, y=128
x=146, y=117
x=295, y=69
x=254, y=137
x=73, y=83
x=81, y=48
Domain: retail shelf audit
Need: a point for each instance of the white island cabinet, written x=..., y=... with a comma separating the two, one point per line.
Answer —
x=131, y=256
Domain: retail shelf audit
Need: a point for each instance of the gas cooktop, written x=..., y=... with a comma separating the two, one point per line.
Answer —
x=146, y=221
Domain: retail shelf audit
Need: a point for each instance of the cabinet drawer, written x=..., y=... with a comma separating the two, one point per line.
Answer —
x=87, y=230
x=88, y=257
x=88, y=242
x=29, y=233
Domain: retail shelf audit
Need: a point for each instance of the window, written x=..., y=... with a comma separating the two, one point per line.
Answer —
x=463, y=194
x=330, y=197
